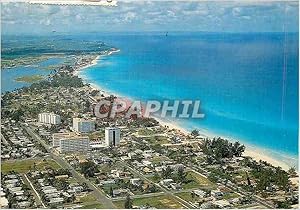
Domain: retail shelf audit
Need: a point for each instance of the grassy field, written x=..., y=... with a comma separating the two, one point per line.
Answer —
x=93, y=206
x=157, y=139
x=197, y=181
x=97, y=135
x=187, y=196
x=22, y=166
x=146, y=132
x=160, y=202
x=30, y=79
x=154, y=178
x=87, y=198
x=230, y=196
x=158, y=159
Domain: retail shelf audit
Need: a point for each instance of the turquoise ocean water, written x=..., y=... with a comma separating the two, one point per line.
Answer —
x=247, y=83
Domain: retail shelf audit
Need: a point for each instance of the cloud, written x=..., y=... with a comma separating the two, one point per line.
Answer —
x=129, y=16
x=236, y=11
x=45, y=22
x=246, y=17
x=149, y=15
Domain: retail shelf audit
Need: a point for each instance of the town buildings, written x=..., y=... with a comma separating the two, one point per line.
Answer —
x=49, y=118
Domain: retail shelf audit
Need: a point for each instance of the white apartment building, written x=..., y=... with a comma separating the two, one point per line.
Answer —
x=74, y=144
x=83, y=125
x=56, y=137
x=112, y=136
x=49, y=118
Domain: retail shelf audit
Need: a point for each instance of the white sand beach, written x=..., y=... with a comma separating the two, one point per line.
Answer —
x=255, y=153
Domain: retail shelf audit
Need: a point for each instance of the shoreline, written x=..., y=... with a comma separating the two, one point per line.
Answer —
x=93, y=62
x=255, y=153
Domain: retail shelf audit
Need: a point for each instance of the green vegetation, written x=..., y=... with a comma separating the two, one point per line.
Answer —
x=30, y=79
x=155, y=178
x=58, y=80
x=216, y=174
x=87, y=198
x=23, y=166
x=88, y=169
x=144, y=122
x=167, y=173
x=93, y=206
x=23, y=61
x=146, y=132
x=51, y=67
x=292, y=172
x=187, y=196
x=187, y=179
x=128, y=202
x=157, y=140
x=158, y=159
x=228, y=196
x=66, y=80
x=195, y=133
x=267, y=176
x=219, y=148
x=97, y=135
x=190, y=197
x=194, y=180
x=160, y=202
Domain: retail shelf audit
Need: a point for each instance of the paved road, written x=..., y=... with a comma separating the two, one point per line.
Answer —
x=34, y=190
x=154, y=194
x=140, y=196
x=99, y=195
x=108, y=203
x=3, y=139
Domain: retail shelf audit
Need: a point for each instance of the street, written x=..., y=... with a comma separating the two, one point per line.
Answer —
x=99, y=195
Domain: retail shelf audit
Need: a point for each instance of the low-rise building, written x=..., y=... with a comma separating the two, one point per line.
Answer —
x=3, y=203
x=136, y=181
x=200, y=193
x=166, y=182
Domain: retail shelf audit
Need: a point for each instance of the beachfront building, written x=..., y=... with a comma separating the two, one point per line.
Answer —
x=112, y=136
x=74, y=144
x=49, y=118
x=83, y=125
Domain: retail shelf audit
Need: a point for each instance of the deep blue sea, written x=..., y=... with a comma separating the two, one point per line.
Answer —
x=247, y=83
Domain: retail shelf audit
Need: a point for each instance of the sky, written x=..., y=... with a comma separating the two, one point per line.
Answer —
x=239, y=16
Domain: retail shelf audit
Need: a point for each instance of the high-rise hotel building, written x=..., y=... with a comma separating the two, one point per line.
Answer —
x=112, y=136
